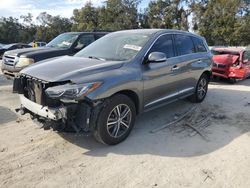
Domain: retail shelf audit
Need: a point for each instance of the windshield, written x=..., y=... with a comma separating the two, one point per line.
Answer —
x=120, y=46
x=7, y=46
x=63, y=40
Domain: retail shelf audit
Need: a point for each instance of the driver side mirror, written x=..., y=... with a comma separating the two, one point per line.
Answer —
x=157, y=57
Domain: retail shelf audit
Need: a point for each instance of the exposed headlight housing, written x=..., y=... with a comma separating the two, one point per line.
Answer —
x=24, y=61
x=71, y=91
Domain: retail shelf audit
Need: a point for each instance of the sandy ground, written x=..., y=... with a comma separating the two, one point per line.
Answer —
x=172, y=157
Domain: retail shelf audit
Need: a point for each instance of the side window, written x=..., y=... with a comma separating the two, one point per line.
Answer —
x=84, y=41
x=13, y=47
x=199, y=45
x=164, y=44
x=246, y=56
x=97, y=36
x=184, y=45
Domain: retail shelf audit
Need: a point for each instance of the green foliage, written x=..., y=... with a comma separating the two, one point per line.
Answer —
x=171, y=14
x=86, y=18
x=51, y=26
x=9, y=29
x=114, y=15
x=221, y=22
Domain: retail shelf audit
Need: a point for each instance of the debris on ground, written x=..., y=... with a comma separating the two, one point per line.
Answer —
x=19, y=120
x=173, y=122
x=247, y=104
x=3, y=149
x=194, y=121
x=208, y=174
x=218, y=116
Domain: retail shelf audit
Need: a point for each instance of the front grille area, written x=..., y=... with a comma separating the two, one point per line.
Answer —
x=219, y=71
x=9, y=60
x=219, y=65
x=34, y=89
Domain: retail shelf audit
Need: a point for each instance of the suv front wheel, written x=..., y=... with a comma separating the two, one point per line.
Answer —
x=116, y=120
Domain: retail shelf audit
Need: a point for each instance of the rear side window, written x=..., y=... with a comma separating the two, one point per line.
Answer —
x=85, y=40
x=199, y=45
x=164, y=44
x=246, y=56
x=97, y=36
x=184, y=45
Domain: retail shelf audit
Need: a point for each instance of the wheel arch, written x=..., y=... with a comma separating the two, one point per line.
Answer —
x=133, y=96
x=208, y=74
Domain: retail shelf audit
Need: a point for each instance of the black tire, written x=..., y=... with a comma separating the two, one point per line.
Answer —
x=197, y=97
x=109, y=134
x=232, y=80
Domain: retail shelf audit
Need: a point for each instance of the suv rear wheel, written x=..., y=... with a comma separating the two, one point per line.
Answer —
x=201, y=89
x=116, y=120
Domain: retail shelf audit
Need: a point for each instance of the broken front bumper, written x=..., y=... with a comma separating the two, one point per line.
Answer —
x=232, y=72
x=43, y=111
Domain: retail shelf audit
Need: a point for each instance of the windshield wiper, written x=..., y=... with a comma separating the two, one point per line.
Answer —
x=98, y=58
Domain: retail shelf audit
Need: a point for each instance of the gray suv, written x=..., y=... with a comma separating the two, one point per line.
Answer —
x=103, y=87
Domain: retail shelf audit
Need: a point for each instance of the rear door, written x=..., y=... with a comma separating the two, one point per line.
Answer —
x=161, y=79
x=190, y=62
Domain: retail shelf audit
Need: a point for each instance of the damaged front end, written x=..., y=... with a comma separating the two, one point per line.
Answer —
x=60, y=105
x=228, y=66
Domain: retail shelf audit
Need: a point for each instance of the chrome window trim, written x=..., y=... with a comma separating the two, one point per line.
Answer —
x=174, y=44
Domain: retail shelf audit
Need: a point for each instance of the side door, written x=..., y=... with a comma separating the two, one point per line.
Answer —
x=161, y=80
x=246, y=62
x=189, y=64
x=83, y=41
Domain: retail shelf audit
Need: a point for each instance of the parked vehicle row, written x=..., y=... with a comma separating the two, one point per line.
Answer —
x=37, y=44
x=64, y=44
x=13, y=46
x=102, y=88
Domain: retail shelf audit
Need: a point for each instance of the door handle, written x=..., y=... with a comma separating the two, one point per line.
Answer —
x=175, y=68
x=199, y=61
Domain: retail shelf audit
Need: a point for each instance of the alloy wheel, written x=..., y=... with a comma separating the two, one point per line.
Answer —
x=119, y=120
x=202, y=88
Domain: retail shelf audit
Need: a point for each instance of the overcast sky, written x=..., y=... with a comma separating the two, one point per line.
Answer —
x=64, y=8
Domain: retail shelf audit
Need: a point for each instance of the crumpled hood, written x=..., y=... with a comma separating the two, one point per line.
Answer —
x=226, y=59
x=67, y=68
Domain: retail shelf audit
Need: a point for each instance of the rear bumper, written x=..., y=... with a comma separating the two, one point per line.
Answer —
x=42, y=111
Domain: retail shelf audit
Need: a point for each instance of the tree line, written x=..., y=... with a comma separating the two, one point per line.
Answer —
x=221, y=22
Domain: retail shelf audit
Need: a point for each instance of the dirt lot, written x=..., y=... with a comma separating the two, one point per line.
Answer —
x=173, y=157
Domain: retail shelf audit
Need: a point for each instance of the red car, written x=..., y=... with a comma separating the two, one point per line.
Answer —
x=231, y=63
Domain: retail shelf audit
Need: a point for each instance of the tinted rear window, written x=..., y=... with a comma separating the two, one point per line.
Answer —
x=184, y=45
x=97, y=36
x=199, y=45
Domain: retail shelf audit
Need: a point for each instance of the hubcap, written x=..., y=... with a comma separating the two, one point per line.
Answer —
x=202, y=88
x=119, y=120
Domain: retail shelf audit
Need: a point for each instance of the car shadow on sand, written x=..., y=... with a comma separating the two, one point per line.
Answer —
x=6, y=115
x=171, y=142
x=4, y=81
x=224, y=81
